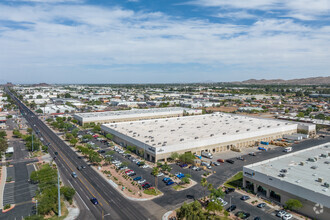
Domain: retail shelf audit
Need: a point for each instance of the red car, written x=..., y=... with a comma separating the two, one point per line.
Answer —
x=220, y=160
x=95, y=135
x=144, y=184
x=127, y=171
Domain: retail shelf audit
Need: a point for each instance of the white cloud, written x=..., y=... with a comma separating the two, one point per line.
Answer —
x=300, y=9
x=236, y=15
x=115, y=36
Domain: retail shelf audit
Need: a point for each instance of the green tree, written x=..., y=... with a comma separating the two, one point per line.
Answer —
x=204, y=185
x=17, y=133
x=68, y=136
x=111, y=152
x=9, y=116
x=29, y=130
x=74, y=141
x=39, y=111
x=3, y=145
x=94, y=158
x=292, y=204
x=174, y=156
x=75, y=132
x=68, y=193
x=87, y=136
x=109, y=136
x=300, y=115
x=214, y=206
x=3, y=134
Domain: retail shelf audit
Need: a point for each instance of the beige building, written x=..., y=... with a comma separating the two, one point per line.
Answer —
x=212, y=133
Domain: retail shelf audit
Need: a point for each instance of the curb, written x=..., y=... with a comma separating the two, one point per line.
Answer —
x=7, y=210
x=165, y=216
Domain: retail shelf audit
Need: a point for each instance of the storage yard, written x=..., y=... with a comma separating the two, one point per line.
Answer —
x=212, y=133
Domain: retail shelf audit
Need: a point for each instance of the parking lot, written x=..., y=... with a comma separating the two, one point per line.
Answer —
x=173, y=199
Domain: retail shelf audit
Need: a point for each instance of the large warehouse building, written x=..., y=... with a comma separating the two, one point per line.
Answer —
x=133, y=115
x=212, y=133
x=306, y=179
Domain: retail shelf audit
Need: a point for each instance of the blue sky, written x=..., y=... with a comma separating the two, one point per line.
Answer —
x=150, y=41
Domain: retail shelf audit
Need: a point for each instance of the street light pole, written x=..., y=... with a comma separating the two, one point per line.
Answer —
x=32, y=140
x=58, y=192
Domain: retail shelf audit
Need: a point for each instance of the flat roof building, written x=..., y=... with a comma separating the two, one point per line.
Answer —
x=212, y=133
x=133, y=115
x=302, y=175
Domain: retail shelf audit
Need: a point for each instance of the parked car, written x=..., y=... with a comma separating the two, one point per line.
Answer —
x=79, y=168
x=220, y=160
x=179, y=175
x=231, y=208
x=230, y=161
x=94, y=201
x=165, y=179
x=131, y=174
x=281, y=213
x=55, y=153
x=160, y=174
x=223, y=202
x=240, y=158
x=287, y=216
x=128, y=171
x=216, y=163
x=261, y=205
x=183, y=165
x=141, y=181
x=101, y=151
x=145, y=166
x=169, y=183
x=252, y=154
x=245, y=197
x=229, y=190
x=137, y=178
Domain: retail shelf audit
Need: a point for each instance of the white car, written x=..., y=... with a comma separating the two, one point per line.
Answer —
x=116, y=161
x=123, y=168
x=145, y=166
x=160, y=174
x=121, y=152
x=141, y=181
x=281, y=213
x=223, y=202
x=287, y=216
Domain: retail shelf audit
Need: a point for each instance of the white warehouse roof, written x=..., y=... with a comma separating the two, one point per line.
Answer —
x=134, y=113
x=304, y=168
x=173, y=134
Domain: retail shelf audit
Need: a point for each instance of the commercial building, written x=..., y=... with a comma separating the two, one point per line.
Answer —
x=302, y=175
x=133, y=115
x=212, y=133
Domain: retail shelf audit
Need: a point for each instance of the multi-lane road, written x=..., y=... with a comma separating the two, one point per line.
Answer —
x=112, y=204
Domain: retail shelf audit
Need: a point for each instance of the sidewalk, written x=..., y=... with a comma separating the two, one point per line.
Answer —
x=2, y=181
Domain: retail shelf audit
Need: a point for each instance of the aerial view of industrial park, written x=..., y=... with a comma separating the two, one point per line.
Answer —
x=164, y=110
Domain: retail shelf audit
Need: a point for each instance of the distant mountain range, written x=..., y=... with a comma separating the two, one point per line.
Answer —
x=302, y=81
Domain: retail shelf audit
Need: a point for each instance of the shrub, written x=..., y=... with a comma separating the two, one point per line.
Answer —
x=7, y=206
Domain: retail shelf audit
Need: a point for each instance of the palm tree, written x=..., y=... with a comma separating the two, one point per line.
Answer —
x=155, y=172
x=204, y=185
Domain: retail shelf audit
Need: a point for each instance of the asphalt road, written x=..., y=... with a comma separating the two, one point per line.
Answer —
x=89, y=183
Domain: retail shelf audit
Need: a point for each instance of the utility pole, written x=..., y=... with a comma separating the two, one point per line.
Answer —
x=37, y=207
x=32, y=140
x=59, y=192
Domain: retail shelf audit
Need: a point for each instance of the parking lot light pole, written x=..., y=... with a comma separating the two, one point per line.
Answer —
x=59, y=192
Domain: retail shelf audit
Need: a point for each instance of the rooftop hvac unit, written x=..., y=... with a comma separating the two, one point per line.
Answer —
x=224, y=133
x=182, y=139
x=314, y=167
x=278, y=124
x=268, y=126
x=301, y=163
x=211, y=135
x=326, y=184
x=150, y=130
x=323, y=155
x=131, y=123
x=259, y=127
x=198, y=126
x=196, y=137
x=248, y=129
x=173, y=130
x=162, y=126
x=237, y=131
x=320, y=180
x=147, y=141
x=143, y=122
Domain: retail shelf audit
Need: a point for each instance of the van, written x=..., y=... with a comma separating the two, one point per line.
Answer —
x=288, y=149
